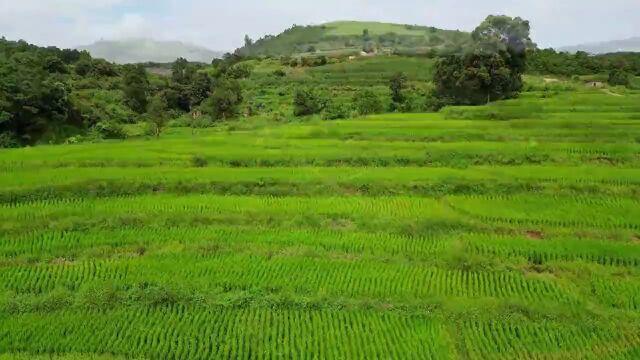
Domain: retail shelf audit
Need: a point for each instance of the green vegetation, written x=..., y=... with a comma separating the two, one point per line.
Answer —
x=445, y=235
x=200, y=211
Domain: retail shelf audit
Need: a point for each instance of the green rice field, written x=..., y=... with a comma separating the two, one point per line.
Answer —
x=510, y=231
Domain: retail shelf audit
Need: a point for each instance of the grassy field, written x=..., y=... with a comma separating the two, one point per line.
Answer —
x=510, y=231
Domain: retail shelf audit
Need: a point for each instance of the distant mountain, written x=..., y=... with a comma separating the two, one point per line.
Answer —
x=148, y=50
x=347, y=37
x=628, y=45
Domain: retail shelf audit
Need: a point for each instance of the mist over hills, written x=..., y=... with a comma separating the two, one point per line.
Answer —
x=626, y=45
x=149, y=50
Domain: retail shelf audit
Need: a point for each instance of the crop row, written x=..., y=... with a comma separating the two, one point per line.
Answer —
x=188, y=333
x=248, y=151
x=347, y=278
x=381, y=213
x=25, y=186
x=180, y=332
x=540, y=251
x=70, y=244
x=522, y=340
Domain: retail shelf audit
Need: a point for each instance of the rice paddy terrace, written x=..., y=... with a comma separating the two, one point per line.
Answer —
x=394, y=236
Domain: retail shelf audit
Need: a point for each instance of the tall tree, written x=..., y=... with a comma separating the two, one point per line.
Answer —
x=397, y=86
x=200, y=89
x=492, y=70
x=182, y=72
x=157, y=114
x=225, y=98
x=136, y=87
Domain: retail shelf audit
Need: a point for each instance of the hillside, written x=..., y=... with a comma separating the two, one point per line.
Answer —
x=148, y=50
x=627, y=45
x=346, y=37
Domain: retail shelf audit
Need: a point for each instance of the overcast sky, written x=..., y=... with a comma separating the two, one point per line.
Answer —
x=221, y=25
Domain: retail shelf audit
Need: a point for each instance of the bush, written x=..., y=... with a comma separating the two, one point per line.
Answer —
x=109, y=130
x=309, y=101
x=366, y=102
x=199, y=161
x=336, y=110
x=8, y=141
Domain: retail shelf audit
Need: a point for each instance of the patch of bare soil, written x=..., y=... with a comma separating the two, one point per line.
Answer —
x=535, y=235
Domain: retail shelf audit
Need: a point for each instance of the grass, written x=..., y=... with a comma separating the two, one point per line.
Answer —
x=497, y=232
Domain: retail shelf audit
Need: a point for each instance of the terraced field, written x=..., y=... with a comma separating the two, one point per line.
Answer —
x=396, y=236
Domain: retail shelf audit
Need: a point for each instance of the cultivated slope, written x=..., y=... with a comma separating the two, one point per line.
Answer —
x=355, y=36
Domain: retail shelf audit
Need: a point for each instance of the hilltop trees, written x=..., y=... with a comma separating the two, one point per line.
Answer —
x=492, y=70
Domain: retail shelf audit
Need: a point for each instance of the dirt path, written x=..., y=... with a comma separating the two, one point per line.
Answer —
x=607, y=91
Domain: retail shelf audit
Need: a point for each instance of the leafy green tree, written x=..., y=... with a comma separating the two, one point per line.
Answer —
x=225, y=99
x=493, y=70
x=70, y=56
x=200, y=89
x=473, y=79
x=619, y=77
x=54, y=65
x=84, y=67
x=104, y=68
x=510, y=38
x=240, y=71
x=397, y=86
x=182, y=72
x=32, y=104
x=157, y=115
x=366, y=102
x=136, y=87
x=308, y=101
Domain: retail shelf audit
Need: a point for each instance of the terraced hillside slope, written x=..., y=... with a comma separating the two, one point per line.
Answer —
x=435, y=236
x=353, y=37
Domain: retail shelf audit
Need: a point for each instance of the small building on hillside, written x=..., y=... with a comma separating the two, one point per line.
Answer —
x=596, y=84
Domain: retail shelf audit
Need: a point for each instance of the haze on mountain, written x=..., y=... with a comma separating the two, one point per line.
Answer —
x=626, y=45
x=139, y=50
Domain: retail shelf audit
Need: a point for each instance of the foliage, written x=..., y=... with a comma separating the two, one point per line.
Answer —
x=336, y=110
x=367, y=102
x=309, y=101
x=225, y=99
x=32, y=102
x=619, y=77
x=397, y=86
x=157, y=115
x=493, y=70
x=473, y=79
x=136, y=87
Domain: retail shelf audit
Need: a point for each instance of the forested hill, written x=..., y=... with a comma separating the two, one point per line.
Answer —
x=344, y=37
